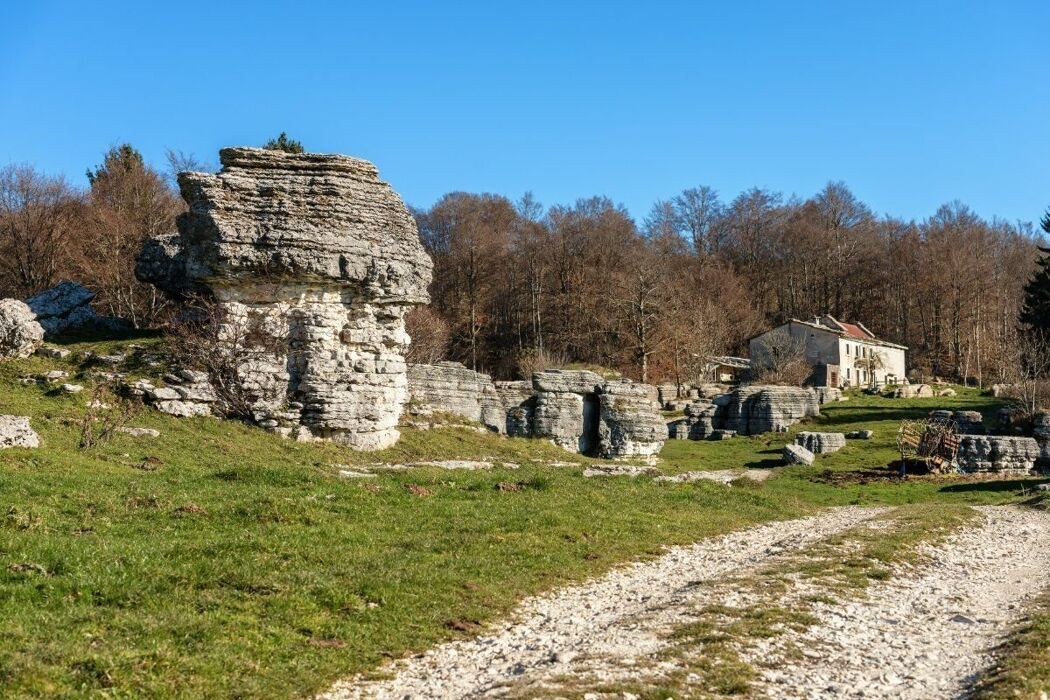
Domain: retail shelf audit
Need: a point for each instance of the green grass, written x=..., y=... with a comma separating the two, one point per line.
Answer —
x=238, y=564
x=1023, y=668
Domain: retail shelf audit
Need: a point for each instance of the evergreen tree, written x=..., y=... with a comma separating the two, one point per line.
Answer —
x=1036, y=310
x=283, y=143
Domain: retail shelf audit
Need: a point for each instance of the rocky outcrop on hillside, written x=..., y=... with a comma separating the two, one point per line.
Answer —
x=449, y=387
x=967, y=422
x=321, y=253
x=913, y=391
x=519, y=403
x=20, y=333
x=997, y=453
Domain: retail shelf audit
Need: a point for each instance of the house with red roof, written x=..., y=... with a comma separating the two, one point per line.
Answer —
x=841, y=354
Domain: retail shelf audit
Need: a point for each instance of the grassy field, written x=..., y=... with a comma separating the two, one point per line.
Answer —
x=219, y=560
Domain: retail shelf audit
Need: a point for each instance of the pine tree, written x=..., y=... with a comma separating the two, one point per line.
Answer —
x=1036, y=310
x=283, y=143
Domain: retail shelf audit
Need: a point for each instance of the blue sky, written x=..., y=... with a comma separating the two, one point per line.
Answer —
x=910, y=103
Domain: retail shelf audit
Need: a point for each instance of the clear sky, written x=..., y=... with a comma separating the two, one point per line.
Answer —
x=910, y=103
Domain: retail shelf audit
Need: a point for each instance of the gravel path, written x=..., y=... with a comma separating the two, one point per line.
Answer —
x=619, y=616
x=927, y=631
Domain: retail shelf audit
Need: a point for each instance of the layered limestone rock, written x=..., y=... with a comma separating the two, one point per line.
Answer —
x=324, y=256
x=582, y=412
x=797, y=454
x=1041, y=433
x=821, y=443
x=747, y=410
x=913, y=391
x=519, y=404
x=827, y=394
x=449, y=387
x=631, y=425
x=567, y=410
x=64, y=307
x=15, y=431
x=757, y=409
x=20, y=333
x=997, y=453
x=967, y=422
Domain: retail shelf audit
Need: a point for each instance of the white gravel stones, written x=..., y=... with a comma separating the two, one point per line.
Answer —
x=620, y=614
x=139, y=432
x=619, y=470
x=929, y=630
x=725, y=476
x=71, y=388
x=15, y=431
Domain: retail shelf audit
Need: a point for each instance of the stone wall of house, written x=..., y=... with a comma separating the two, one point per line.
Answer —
x=322, y=255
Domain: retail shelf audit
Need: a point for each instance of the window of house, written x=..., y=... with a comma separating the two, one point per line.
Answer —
x=847, y=374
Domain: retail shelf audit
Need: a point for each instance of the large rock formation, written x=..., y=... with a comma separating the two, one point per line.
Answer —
x=996, y=453
x=450, y=387
x=582, y=412
x=519, y=403
x=631, y=425
x=1041, y=433
x=20, y=333
x=769, y=409
x=747, y=410
x=321, y=253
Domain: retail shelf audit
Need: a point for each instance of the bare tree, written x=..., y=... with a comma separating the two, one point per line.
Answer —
x=40, y=220
x=430, y=336
x=781, y=359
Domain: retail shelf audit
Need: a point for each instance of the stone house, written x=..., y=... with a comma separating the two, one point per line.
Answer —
x=841, y=354
x=724, y=369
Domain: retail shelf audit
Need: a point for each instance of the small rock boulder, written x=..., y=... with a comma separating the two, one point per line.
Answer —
x=139, y=432
x=15, y=431
x=20, y=334
x=797, y=454
x=860, y=434
x=913, y=391
x=821, y=443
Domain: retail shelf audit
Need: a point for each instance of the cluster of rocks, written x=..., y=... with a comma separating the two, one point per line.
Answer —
x=24, y=325
x=913, y=391
x=449, y=387
x=322, y=255
x=747, y=410
x=582, y=412
x=186, y=393
x=966, y=422
x=821, y=443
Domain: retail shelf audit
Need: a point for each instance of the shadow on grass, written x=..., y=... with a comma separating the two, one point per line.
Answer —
x=776, y=460
x=990, y=486
x=100, y=334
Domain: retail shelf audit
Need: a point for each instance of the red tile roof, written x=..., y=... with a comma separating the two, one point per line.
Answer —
x=855, y=331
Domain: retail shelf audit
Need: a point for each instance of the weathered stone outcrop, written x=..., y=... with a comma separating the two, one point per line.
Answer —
x=449, y=387
x=747, y=410
x=15, y=431
x=913, y=391
x=186, y=393
x=567, y=411
x=995, y=453
x=757, y=409
x=20, y=333
x=64, y=307
x=631, y=425
x=821, y=443
x=1041, y=433
x=797, y=454
x=966, y=422
x=325, y=256
x=827, y=394
x=519, y=403
x=582, y=412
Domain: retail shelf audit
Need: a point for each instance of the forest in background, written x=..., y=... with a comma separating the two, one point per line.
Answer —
x=519, y=285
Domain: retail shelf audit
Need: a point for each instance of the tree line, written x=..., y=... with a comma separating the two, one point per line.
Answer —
x=519, y=286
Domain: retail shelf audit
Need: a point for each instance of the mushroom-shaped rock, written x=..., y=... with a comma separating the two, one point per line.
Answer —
x=325, y=255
